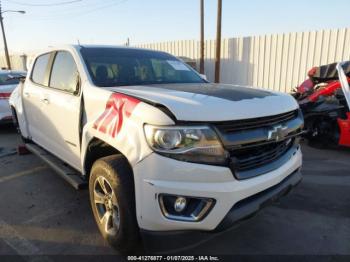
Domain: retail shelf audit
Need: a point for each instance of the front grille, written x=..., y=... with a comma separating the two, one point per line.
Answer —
x=239, y=125
x=252, y=147
x=254, y=157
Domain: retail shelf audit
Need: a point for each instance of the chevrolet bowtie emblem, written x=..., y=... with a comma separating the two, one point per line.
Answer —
x=277, y=133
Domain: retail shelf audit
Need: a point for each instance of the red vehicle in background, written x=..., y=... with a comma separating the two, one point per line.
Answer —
x=324, y=99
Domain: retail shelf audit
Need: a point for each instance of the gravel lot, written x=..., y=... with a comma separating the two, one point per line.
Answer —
x=42, y=214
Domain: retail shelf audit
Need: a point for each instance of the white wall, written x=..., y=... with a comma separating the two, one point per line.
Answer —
x=18, y=62
x=279, y=62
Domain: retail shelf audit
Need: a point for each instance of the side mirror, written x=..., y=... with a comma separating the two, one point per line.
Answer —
x=204, y=77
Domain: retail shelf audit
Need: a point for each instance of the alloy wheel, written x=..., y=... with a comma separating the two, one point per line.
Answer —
x=106, y=205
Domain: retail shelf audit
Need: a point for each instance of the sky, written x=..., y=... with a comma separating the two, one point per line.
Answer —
x=53, y=22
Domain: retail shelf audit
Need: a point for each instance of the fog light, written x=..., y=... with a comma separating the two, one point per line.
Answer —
x=180, y=204
x=185, y=208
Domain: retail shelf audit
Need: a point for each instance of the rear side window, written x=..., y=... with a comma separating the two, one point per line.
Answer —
x=39, y=70
x=64, y=74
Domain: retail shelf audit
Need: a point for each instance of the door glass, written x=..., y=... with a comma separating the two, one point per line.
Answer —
x=39, y=70
x=64, y=75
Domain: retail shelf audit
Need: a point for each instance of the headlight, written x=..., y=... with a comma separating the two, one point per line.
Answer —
x=198, y=144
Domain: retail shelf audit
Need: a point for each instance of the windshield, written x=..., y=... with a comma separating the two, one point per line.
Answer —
x=122, y=67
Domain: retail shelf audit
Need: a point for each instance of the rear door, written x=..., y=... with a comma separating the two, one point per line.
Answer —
x=61, y=109
x=32, y=98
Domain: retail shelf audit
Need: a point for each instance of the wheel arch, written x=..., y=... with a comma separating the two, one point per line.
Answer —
x=17, y=109
x=14, y=115
x=97, y=149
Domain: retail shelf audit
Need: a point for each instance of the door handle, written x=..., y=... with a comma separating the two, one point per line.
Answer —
x=45, y=101
x=26, y=94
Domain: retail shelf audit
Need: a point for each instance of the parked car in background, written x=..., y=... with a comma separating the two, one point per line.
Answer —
x=8, y=81
x=166, y=154
x=324, y=99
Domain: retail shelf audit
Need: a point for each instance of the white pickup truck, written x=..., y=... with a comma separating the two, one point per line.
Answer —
x=165, y=153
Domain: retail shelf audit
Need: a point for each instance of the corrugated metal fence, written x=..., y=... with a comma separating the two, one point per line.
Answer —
x=279, y=62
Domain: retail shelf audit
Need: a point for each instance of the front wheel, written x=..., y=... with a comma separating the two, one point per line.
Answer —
x=112, y=200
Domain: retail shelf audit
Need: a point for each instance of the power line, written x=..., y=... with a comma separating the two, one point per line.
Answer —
x=67, y=10
x=52, y=4
x=104, y=7
x=78, y=12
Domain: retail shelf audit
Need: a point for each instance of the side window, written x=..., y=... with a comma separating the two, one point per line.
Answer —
x=64, y=74
x=39, y=70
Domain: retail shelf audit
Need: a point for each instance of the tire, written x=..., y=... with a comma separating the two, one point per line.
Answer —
x=112, y=198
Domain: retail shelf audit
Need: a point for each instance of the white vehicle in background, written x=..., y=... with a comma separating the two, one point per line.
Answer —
x=8, y=81
x=166, y=155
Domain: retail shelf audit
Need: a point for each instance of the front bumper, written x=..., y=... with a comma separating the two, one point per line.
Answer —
x=174, y=240
x=160, y=175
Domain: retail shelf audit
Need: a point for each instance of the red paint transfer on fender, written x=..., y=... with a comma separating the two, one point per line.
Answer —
x=118, y=107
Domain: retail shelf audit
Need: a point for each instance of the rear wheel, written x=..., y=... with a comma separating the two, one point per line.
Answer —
x=112, y=200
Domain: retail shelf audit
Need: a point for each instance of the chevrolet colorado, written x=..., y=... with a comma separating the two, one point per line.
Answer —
x=164, y=152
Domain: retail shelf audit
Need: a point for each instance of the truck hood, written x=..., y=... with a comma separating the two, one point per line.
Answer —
x=212, y=102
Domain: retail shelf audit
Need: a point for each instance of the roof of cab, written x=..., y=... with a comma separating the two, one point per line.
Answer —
x=78, y=47
x=112, y=46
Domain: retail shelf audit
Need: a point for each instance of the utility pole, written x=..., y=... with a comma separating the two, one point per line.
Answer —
x=201, y=62
x=3, y=32
x=5, y=42
x=218, y=43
